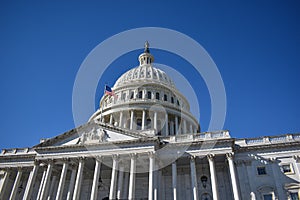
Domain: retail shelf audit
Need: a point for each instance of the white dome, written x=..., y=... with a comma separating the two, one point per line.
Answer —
x=145, y=98
x=144, y=74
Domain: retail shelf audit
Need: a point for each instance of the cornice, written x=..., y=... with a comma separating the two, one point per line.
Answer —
x=267, y=146
x=77, y=130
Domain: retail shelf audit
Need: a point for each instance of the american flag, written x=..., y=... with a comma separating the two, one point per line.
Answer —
x=109, y=91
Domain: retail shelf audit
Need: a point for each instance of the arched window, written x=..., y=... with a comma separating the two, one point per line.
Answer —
x=157, y=95
x=165, y=97
x=131, y=95
x=149, y=95
x=172, y=99
x=178, y=103
x=140, y=94
x=124, y=96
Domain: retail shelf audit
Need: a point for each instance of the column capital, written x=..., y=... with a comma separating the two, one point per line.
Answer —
x=8, y=169
x=133, y=155
x=81, y=159
x=36, y=162
x=229, y=156
x=192, y=158
x=151, y=154
x=50, y=161
x=115, y=157
x=19, y=169
x=99, y=158
x=66, y=160
x=210, y=157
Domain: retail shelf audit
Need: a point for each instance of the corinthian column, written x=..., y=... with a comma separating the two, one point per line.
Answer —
x=42, y=183
x=71, y=184
x=233, y=176
x=151, y=170
x=16, y=185
x=176, y=126
x=4, y=183
x=213, y=176
x=194, y=178
x=166, y=124
x=46, y=181
x=131, y=192
x=78, y=184
x=143, y=119
x=131, y=119
x=155, y=121
x=94, y=192
x=31, y=181
x=120, y=182
x=113, y=182
x=62, y=179
x=121, y=119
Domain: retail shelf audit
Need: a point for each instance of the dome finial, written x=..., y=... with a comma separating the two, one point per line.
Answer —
x=146, y=47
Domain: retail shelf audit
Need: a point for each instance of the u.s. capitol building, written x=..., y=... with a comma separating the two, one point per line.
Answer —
x=144, y=143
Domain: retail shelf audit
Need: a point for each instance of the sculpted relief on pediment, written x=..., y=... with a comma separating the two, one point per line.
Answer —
x=95, y=135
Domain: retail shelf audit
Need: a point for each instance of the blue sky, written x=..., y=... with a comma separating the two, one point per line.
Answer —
x=255, y=45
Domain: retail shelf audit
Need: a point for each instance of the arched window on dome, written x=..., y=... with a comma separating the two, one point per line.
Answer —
x=139, y=124
x=165, y=97
x=149, y=95
x=172, y=99
x=157, y=95
x=178, y=102
x=148, y=74
x=131, y=95
x=140, y=95
x=123, y=97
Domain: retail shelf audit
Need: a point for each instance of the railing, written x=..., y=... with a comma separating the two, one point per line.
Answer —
x=15, y=151
x=273, y=139
x=198, y=136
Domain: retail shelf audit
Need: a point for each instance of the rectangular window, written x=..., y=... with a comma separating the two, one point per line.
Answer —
x=268, y=197
x=286, y=168
x=261, y=170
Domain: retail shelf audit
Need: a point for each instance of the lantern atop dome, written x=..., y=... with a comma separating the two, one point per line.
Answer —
x=146, y=58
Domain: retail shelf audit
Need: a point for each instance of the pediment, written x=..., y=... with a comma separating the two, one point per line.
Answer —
x=92, y=133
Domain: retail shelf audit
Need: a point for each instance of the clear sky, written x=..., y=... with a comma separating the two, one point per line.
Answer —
x=255, y=45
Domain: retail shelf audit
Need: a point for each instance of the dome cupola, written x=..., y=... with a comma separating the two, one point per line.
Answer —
x=146, y=58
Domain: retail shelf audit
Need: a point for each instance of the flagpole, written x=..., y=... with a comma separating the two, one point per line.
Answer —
x=102, y=103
